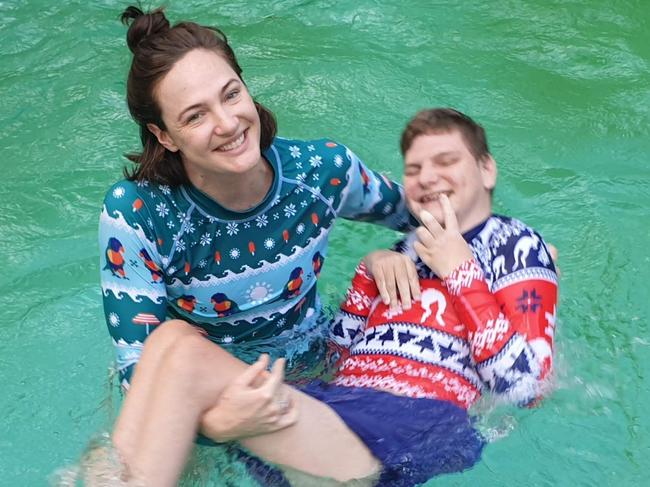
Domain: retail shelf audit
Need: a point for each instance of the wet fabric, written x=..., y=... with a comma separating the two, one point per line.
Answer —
x=414, y=439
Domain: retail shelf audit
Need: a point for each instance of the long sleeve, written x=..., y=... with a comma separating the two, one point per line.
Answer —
x=511, y=326
x=354, y=311
x=371, y=196
x=131, y=275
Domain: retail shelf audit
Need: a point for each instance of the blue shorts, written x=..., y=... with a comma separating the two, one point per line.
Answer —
x=414, y=439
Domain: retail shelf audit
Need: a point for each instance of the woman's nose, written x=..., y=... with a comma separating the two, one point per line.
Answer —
x=226, y=123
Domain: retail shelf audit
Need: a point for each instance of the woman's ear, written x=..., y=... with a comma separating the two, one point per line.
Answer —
x=163, y=137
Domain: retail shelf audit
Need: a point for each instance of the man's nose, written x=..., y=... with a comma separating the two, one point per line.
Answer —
x=428, y=176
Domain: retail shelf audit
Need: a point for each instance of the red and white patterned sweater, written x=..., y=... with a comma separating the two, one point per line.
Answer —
x=489, y=325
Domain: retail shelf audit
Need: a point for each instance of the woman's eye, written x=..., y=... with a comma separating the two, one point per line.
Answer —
x=194, y=117
x=231, y=95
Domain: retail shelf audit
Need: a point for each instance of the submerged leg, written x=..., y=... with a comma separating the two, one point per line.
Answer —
x=185, y=393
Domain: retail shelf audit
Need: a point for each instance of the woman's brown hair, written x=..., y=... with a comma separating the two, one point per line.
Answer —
x=156, y=47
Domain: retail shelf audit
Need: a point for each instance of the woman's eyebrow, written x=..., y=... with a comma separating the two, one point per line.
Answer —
x=197, y=105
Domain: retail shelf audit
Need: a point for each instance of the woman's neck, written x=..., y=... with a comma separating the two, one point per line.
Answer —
x=237, y=192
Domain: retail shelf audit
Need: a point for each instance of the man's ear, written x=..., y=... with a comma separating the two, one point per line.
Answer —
x=163, y=137
x=488, y=168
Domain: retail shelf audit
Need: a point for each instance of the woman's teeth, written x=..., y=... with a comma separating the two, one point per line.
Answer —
x=232, y=145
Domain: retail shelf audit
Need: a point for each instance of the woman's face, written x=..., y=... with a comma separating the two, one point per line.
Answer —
x=209, y=117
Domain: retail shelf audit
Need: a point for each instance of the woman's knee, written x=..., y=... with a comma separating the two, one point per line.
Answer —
x=169, y=333
x=190, y=357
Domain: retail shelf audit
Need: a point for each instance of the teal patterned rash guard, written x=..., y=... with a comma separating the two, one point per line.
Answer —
x=173, y=252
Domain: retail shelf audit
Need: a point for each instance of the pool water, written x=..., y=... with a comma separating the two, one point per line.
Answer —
x=563, y=89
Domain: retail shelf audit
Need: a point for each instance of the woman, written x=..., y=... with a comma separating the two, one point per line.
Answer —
x=221, y=225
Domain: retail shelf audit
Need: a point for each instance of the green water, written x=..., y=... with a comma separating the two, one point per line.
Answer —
x=563, y=89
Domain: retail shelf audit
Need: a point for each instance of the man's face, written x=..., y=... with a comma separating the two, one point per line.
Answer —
x=441, y=162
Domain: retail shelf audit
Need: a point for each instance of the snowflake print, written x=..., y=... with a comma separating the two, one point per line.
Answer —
x=269, y=243
x=276, y=216
x=171, y=270
x=227, y=339
x=150, y=222
x=247, y=224
x=206, y=239
x=276, y=200
x=118, y=192
x=212, y=219
x=316, y=194
x=295, y=151
x=338, y=160
x=315, y=176
x=261, y=221
x=180, y=216
x=299, y=165
x=165, y=189
x=143, y=183
x=232, y=229
x=281, y=322
x=170, y=224
x=289, y=210
x=180, y=245
x=133, y=263
x=217, y=233
x=304, y=204
x=311, y=148
x=301, y=227
x=189, y=227
x=203, y=263
x=200, y=222
x=316, y=161
x=234, y=253
x=162, y=210
x=114, y=320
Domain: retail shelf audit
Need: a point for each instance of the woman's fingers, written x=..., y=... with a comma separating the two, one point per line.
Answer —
x=250, y=375
x=414, y=279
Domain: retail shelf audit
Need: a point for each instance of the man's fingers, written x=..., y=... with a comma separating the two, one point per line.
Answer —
x=552, y=249
x=424, y=236
x=451, y=222
x=420, y=249
x=430, y=223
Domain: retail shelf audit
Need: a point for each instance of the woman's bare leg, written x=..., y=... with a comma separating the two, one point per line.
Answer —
x=128, y=427
x=189, y=381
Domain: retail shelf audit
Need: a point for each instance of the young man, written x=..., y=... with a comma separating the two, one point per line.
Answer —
x=486, y=318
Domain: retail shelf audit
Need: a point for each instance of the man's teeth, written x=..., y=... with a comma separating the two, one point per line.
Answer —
x=432, y=197
x=233, y=145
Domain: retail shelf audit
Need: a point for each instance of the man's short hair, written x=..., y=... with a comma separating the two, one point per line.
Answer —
x=444, y=120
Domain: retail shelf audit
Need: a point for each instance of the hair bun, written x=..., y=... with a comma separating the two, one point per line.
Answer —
x=142, y=25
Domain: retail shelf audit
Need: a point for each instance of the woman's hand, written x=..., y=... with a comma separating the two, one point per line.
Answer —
x=254, y=403
x=394, y=274
x=442, y=249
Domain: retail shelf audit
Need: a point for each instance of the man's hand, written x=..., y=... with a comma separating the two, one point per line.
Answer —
x=442, y=249
x=255, y=402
